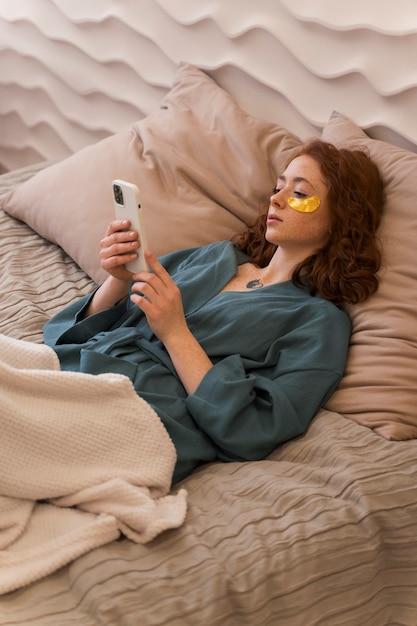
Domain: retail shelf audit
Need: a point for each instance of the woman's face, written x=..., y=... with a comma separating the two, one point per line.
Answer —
x=304, y=229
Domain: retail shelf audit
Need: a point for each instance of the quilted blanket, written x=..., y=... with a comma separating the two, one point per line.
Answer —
x=83, y=460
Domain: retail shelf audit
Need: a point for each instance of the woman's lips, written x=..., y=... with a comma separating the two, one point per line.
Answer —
x=271, y=219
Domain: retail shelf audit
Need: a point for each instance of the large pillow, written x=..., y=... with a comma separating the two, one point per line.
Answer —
x=204, y=166
x=379, y=388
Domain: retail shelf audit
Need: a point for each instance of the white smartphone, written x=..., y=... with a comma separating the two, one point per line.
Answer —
x=127, y=206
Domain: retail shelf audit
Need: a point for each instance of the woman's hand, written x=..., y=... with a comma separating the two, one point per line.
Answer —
x=157, y=295
x=118, y=247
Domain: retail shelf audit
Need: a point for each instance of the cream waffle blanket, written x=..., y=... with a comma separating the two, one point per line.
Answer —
x=82, y=460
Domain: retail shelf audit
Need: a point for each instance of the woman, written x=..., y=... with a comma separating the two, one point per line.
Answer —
x=237, y=345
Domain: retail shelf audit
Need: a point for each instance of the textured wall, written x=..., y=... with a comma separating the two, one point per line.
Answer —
x=74, y=71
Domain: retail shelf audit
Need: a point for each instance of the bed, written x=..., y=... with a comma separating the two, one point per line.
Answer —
x=323, y=531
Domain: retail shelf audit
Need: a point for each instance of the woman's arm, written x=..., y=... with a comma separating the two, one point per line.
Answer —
x=157, y=295
x=247, y=407
x=247, y=415
x=110, y=293
x=189, y=359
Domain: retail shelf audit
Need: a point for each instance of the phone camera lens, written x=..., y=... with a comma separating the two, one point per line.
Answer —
x=118, y=194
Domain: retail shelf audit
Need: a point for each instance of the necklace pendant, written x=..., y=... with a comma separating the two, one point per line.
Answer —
x=254, y=284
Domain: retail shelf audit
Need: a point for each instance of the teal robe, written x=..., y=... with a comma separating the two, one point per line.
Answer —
x=278, y=354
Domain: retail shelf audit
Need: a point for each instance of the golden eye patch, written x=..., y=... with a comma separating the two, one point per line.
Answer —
x=304, y=205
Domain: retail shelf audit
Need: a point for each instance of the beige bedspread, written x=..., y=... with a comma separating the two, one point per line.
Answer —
x=322, y=533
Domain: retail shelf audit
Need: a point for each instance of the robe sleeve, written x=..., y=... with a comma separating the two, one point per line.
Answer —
x=68, y=326
x=248, y=412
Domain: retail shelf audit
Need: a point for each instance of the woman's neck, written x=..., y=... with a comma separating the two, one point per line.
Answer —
x=280, y=268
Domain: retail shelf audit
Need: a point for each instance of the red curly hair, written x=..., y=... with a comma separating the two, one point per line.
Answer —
x=345, y=269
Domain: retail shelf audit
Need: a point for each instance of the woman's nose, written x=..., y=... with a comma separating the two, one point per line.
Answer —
x=278, y=199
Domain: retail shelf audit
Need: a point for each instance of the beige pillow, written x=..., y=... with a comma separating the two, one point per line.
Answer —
x=379, y=389
x=204, y=166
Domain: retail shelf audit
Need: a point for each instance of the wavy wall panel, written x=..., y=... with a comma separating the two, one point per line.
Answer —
x=75, y=71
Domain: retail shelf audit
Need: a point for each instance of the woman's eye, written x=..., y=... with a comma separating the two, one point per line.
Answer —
x=296, y=194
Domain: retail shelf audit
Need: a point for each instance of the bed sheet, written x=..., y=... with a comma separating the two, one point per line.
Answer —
x=320, y=533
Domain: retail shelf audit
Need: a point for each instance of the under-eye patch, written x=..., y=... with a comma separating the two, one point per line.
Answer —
x=304, y=205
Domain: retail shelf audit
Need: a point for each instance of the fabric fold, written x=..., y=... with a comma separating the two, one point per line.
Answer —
x=82, y=459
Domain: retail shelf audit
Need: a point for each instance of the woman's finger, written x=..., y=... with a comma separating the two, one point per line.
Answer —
x=117, y=225
x=158, y=271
